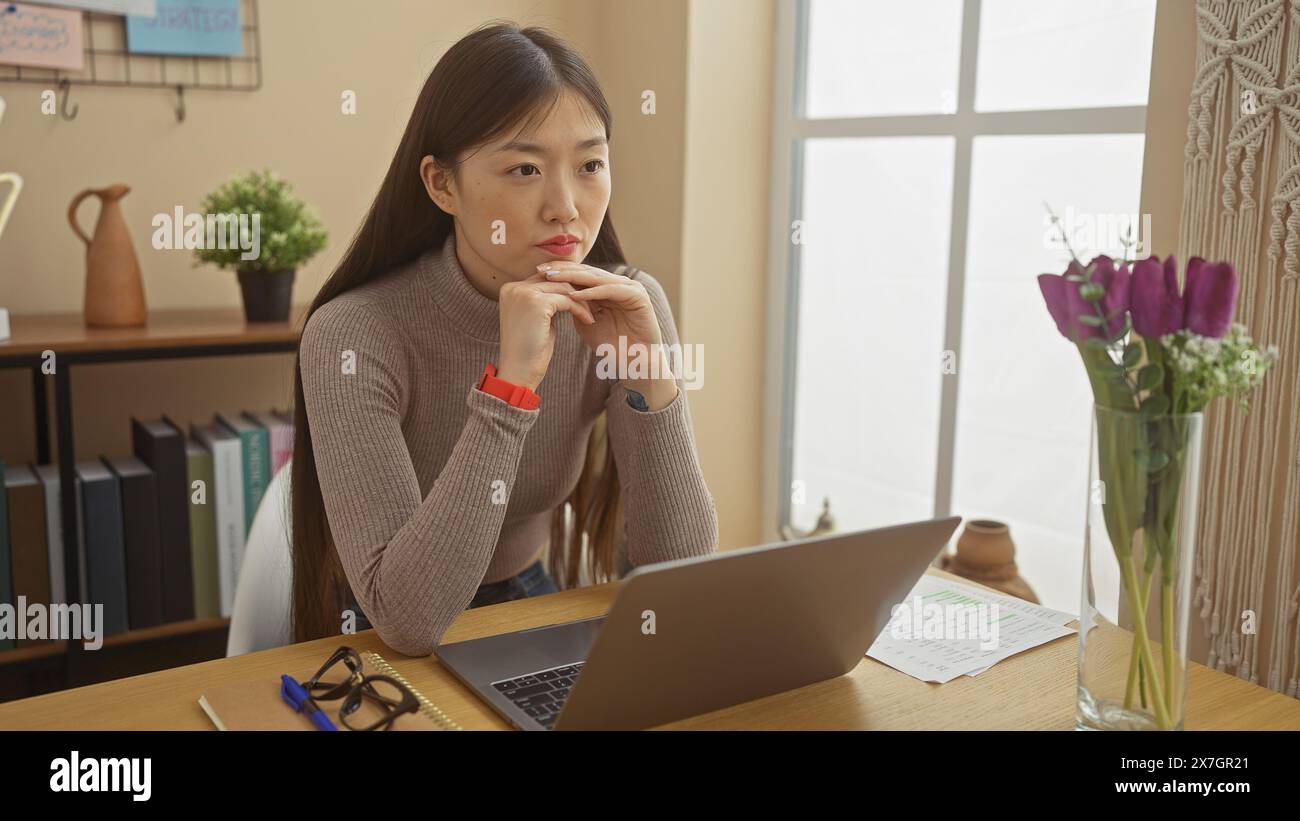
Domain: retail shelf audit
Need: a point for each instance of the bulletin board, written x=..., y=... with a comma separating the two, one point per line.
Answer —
x=109, y=63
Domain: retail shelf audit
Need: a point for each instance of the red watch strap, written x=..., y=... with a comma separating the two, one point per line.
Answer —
x=517, y=395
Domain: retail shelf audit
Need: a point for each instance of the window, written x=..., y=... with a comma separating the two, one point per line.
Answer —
x=916, y=145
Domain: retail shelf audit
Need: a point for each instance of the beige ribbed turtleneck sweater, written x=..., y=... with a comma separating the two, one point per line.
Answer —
x=408, y=449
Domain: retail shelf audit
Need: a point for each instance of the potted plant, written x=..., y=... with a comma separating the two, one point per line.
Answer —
x=276, y=233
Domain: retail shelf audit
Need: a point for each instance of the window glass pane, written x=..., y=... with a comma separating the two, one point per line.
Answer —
x=870, y=57
x=873, y=280
x=1043, y=54
x=1023, y=399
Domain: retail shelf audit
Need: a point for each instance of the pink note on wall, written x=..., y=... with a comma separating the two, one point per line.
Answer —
x=40, y=37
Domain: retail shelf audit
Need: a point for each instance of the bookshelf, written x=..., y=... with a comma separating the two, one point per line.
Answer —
x=167, y=334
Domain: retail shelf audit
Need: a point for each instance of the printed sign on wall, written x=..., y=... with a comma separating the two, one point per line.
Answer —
x=40, y=37
x=204, y=28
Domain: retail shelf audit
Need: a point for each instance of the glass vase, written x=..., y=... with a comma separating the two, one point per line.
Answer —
x=1139, y=547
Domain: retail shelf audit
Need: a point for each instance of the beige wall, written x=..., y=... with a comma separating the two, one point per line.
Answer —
x=312, y=52
x=724, y=247
x=1173, y=62
x=635, y=47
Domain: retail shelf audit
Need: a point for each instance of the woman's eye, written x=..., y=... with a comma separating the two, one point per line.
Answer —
x=598, y=163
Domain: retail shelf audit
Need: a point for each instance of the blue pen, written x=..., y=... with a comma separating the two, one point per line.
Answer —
x=301, y=702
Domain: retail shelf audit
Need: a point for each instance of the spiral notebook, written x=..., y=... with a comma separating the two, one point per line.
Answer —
x=257, y=705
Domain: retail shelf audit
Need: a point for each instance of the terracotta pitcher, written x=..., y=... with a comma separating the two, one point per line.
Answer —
x=114, y=290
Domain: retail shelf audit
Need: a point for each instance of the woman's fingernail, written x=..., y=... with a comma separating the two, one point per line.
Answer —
x=549, y=272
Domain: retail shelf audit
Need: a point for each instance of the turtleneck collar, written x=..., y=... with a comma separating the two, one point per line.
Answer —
x=466, y=308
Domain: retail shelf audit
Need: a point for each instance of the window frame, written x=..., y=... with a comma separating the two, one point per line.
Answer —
x=790, y=128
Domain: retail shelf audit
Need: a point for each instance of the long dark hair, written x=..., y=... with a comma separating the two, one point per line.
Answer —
x=489, y=81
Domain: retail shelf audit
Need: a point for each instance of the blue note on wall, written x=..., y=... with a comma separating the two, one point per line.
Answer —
x=207, y=28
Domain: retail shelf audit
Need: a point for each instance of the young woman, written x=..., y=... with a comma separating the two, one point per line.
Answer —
x=448, y=402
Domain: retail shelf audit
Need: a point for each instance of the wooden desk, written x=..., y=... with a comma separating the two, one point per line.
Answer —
x=1032, y=691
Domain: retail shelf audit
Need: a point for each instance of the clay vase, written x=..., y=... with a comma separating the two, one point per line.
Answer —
x=114, y=290
x=986, y=554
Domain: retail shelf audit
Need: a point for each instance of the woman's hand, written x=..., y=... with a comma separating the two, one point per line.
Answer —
x=527, y=330
x=621, y=308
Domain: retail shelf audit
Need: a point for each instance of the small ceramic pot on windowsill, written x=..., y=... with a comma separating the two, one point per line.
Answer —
x=986, y=554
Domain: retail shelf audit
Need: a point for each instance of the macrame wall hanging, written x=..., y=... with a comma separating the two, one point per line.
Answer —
x=1241, y=202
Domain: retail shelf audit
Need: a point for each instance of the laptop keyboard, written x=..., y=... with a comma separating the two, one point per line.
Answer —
x=541, y=695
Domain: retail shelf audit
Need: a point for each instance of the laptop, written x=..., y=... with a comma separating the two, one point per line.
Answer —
x=689, y=636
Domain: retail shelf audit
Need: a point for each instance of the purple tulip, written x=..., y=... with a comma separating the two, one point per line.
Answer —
x=1211, y=297
x=1066, y=304
x=1156, y=305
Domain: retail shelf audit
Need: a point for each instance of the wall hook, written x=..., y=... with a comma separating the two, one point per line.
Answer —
x=180, y=104
x=65, y=86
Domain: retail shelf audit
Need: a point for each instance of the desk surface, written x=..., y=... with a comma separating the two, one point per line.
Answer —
x=1033, y=691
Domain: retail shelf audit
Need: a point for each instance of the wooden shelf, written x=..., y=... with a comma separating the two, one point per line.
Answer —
x=46, y=667
x=56, y=647
x=169, y=329
x=179, y=333
x=25, y=655
x=166, y=631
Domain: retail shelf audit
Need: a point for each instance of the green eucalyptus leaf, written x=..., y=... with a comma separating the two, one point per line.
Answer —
x=1091, y=292
x=1150, y=377
x=1151, y=460
x=1154, y=405
x=1132, y=353
x=1115, y=373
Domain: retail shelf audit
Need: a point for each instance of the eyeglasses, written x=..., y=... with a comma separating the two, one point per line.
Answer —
x=369, y=702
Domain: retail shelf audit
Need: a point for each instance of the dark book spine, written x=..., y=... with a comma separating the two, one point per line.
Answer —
x=6, y=581
x=166, y=456
x=29, y=552
x=143, y=562
x=105, y=555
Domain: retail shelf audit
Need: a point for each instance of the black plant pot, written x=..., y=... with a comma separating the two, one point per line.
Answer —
x=267, y=294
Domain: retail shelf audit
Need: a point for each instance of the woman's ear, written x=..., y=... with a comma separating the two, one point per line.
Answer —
x=438, y=183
